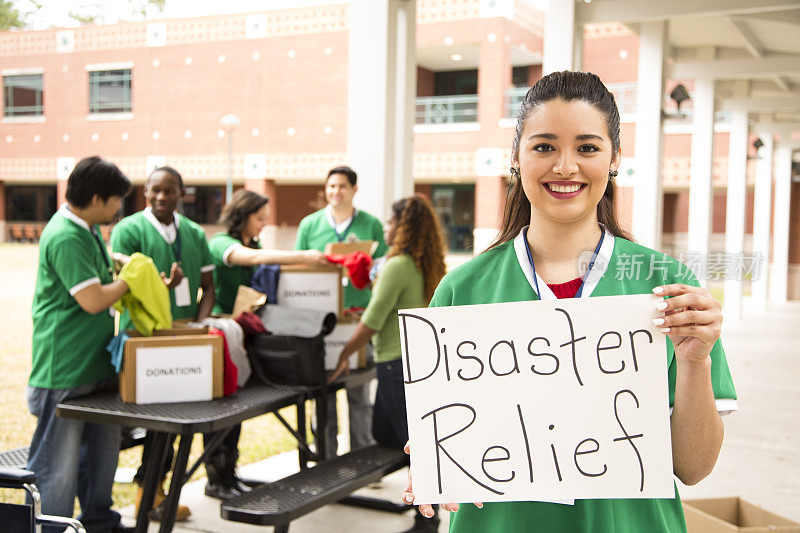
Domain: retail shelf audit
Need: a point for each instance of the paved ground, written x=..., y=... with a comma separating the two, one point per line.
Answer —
x=760, y=459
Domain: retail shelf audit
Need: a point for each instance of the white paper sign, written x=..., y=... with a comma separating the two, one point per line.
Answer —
x=335, y=341
x=537, y=401
x=174, y=374
x=309, y=290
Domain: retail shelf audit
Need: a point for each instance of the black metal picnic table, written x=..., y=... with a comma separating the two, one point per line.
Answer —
x=219, y=415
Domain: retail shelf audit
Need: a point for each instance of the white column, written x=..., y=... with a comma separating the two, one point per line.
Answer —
x=405, y=98
x=647, y=197
x=735, y=210
x=700, y=184
x=375, y=141
x=559, y=37
x=761, y=220
x=780, y=229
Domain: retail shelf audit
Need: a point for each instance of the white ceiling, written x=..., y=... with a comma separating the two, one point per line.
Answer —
x=729, y=30
x=440, y=58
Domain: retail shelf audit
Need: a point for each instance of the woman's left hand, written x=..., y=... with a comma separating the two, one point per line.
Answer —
x=342, y=368
x=692, y=319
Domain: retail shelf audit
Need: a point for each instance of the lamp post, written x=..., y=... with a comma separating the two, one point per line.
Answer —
x=229, y=123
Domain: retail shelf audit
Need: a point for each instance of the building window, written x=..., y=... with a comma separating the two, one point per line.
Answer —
x=455, y=205
x=110, y=91
x=520, y=77
x=203, y=204
x=30, y=203
x=456, y=82
x=23, y=95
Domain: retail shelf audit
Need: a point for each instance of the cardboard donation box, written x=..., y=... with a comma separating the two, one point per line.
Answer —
x=731, y=515
x=174, y=365
x=344, y=248
x=311, y=287
x=335, y=341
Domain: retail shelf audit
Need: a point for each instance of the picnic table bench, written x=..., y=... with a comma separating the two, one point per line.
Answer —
x=275, y=504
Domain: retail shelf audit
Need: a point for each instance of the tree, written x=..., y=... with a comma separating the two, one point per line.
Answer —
x=9, y=17
x=92, y=14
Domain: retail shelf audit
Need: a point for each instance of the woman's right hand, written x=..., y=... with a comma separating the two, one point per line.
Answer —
x=426, y=510
x=314, y=257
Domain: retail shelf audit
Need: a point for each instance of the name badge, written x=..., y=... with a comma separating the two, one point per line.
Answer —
x=182, y=296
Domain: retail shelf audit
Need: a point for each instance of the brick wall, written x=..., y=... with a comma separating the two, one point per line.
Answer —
x=297, y=201
x=425, y=83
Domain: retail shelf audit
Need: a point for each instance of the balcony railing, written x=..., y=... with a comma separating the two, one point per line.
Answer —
x=720, y=117
x=624, y=96
x=447, y=109
x=514, y=97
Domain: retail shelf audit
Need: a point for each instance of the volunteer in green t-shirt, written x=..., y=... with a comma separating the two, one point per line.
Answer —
x=414, y=267
x=340, y=221
x=72, y=324
x=178, y=247
x=235, y=252
x=565, y=156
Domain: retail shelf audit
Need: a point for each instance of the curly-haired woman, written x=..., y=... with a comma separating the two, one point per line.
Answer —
x=414, y=267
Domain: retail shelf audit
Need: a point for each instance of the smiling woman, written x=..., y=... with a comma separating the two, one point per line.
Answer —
x=561, y=206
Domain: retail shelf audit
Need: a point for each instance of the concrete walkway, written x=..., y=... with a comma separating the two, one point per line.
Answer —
x=760, y=460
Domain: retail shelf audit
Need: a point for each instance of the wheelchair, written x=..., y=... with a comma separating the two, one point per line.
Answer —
x=28, y=517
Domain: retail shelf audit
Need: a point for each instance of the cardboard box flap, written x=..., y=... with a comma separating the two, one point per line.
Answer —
x=753, y=515
x=247, y=300
x=172, y=332
x=311, y=268
x=733, y=515
x=344, y=248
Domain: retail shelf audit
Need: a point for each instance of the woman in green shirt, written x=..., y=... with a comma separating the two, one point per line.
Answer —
x=235, y=252
x=565, y=155
x=414, y=267
x=238, y=249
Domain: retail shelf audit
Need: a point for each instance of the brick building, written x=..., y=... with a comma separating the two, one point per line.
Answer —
x=150, y=93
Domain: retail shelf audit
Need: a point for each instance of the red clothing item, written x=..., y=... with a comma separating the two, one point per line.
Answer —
x=230, y=373
x=357, y=265
x=566, y=290
x=251, y=324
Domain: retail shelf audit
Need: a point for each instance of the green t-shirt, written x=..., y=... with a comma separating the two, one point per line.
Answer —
x=138, y=233
x=69, y=344
x=399, y=286
x=496, y=276
x=227, y=278
x=315, y=231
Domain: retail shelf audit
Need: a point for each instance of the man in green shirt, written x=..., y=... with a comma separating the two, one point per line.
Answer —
x=72, y=324
x=340, y=221
x=177, y=246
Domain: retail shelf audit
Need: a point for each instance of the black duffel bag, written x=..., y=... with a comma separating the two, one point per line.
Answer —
x=294, y=353
x=287, y=360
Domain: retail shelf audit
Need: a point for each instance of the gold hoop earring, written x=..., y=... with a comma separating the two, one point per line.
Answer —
x=515, y=173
